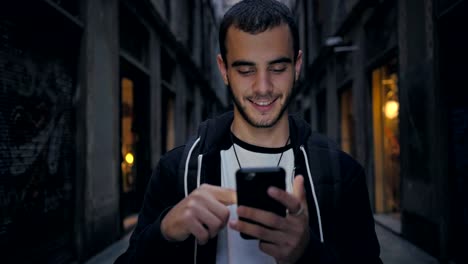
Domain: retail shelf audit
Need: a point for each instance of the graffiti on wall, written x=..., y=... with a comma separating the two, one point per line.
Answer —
x=36, y=145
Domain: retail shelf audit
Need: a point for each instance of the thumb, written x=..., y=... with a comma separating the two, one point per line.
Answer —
x=298, y=188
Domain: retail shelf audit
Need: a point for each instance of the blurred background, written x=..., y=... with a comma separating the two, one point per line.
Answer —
x=93, y=92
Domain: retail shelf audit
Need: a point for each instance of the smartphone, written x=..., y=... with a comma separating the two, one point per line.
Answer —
x=252, y=185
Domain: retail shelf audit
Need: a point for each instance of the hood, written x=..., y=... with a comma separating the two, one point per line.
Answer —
x=212, y=132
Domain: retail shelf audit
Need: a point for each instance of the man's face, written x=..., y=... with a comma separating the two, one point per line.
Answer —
x=260, y=70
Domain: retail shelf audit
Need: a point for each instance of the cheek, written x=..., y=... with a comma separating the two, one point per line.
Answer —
x=283, y=82
x=239, y=86
x=236, y=89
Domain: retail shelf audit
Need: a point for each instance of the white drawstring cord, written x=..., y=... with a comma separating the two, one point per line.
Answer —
x=200, y=158
x=195, y=253
x=313, y=193
x=187, y=164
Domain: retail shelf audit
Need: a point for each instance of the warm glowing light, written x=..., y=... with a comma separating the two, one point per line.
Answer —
x=391, y=109
x=129, y=158
x=388, y=82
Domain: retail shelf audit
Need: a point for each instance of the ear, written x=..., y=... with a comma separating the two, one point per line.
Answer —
x=222, y=68
x=298, y=65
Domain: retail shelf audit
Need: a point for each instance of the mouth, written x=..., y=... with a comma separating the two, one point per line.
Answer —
x=263, y=105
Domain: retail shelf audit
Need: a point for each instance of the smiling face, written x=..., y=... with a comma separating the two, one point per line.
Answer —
x=260, y=71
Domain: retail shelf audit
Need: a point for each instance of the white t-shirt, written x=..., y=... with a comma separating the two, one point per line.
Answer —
x=231, y=247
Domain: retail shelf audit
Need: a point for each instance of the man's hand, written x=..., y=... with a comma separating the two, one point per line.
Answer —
x=202, y=213
x=287, y=237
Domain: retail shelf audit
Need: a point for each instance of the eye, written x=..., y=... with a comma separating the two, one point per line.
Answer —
x=245, y=70
x=278, y=68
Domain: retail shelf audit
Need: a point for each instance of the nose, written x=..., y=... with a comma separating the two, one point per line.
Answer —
x=263, y=84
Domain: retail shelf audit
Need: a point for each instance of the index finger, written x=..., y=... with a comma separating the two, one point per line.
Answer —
x=224, y=195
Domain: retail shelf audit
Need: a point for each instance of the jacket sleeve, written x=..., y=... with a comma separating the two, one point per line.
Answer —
x=351, y=237
x=147, y=243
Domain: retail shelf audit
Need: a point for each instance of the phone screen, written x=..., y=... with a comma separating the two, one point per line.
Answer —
x=252, y=186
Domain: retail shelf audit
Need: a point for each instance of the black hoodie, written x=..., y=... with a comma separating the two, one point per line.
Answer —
x=344, y=218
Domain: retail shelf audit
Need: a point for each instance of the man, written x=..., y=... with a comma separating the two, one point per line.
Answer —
x=190, y=212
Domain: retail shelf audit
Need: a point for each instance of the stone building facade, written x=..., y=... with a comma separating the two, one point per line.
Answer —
x=384, y=79
x=92, y=93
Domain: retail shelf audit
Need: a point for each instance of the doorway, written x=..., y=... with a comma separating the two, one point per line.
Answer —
x=134, y=141
x=347, y=139
x=386, y=139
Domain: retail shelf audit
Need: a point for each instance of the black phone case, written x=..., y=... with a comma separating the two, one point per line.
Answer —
x=252, y=186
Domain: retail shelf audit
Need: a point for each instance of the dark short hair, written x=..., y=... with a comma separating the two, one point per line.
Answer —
x=257, y=16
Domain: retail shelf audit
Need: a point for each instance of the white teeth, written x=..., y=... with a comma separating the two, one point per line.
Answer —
x=263, y=103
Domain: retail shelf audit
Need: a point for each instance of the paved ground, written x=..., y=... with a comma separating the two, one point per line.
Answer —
x=110, y=254
x=394, y=250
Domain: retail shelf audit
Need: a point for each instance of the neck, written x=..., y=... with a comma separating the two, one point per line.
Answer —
x=271, y=137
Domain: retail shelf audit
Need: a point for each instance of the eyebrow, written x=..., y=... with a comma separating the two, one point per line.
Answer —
x=249, y=63
x=280, y=60
x=242, y=63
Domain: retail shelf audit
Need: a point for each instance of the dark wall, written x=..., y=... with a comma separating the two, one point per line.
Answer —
x=453, y=56
x=37, y=142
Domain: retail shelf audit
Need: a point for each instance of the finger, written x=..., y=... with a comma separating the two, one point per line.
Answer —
x=271, y=249
x=213, y=223
x=210, y=221
x=199, y=232
x=299, y=192
x=298, y=188
x=205, y=197
x=257, y=231
x=266, y=218
x=292, y=203
x=224, y=195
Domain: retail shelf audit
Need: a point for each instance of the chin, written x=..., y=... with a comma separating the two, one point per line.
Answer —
x=264, y=121
x=257, y=119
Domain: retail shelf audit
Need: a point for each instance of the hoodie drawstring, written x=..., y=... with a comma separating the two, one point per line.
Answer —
x=313, y=193
x=187, y=164
x=200, y=159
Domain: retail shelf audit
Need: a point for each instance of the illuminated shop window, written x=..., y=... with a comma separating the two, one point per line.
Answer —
x=385, y=108
x=128, y=137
